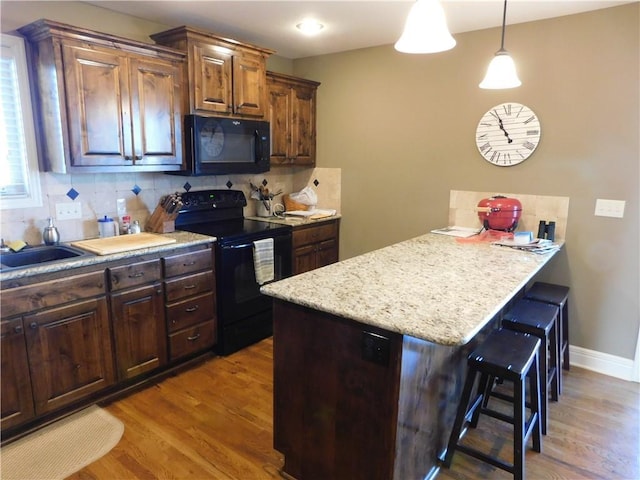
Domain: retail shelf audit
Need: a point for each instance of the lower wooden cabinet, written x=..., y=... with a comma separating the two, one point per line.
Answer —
x=139, y=330
x=70, y=353
x=68, y=339
x=315, y=246
x=15, y=383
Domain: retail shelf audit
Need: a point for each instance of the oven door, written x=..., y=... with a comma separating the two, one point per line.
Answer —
x=239, y=294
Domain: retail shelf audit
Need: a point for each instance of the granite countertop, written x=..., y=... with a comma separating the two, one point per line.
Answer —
x=183, y=239
x=295, y=221
x=431, y=287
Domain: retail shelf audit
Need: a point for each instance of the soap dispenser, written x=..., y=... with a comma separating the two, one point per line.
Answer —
x=50, y=235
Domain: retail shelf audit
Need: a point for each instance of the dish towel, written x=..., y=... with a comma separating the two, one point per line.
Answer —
x=263, y=260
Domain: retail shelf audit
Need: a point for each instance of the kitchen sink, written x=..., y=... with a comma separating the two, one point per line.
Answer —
x=31, y=256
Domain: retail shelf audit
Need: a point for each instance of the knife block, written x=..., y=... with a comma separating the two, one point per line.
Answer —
x=161, y=221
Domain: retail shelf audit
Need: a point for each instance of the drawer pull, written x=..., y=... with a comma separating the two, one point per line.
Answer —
x=192, y=309
x=18, y=329
x=33, y=325
x=137, y=275
x=189, y=264
x=194, y=337
x=190, y=287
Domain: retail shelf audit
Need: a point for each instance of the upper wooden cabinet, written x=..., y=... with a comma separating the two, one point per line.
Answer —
x=226, y=77
x=106, y=104
x=292, y=115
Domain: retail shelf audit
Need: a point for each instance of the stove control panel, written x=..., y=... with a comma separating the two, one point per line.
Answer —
x=212, y=200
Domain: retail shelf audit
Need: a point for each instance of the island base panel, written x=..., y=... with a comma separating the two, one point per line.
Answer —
x=335, y=404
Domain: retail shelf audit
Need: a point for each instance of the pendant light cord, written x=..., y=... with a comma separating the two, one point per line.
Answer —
x=504, y=21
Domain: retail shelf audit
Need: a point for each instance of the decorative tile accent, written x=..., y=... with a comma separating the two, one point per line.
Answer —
x=187, y=186
x=72, y=194
x=316, y=182
x=229, y=184
x=136, y=189
x=264, y=182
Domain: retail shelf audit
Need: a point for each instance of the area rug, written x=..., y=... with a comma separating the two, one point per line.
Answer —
x=62, y=448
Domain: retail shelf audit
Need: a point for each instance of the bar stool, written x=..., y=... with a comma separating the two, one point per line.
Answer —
x=556, y=295
x=512, y=356
x=539, y=319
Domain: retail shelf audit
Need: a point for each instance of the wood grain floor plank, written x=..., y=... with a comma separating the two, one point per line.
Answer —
x=215, y=421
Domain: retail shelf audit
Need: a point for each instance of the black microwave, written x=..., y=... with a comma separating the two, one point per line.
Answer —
x=218, y=146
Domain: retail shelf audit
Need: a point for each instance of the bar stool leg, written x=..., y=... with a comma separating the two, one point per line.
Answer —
x=519, y=429
x=544, y=375
x=534, y=388
x=460, y=417
x=565, y=334
x=553, y=353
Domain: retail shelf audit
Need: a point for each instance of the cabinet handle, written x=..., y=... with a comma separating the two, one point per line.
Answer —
x=192, y=309
x=127, y=157
x=18, y=329
x=189, y=264
x=190, y=287
x=159, y=291
x=195, y=337
x=137, y=275
x=138, y=157
x=33, y=325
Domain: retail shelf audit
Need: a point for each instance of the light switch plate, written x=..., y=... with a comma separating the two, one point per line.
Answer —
x=68, y=211
x=609, y=208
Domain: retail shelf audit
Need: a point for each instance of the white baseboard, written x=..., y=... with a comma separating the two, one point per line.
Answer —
x=604, y=363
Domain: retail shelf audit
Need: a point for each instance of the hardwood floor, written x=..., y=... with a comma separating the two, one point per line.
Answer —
x=215, y=422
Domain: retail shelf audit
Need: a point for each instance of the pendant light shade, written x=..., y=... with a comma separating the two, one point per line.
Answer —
x=502, y=69
x=425, y=30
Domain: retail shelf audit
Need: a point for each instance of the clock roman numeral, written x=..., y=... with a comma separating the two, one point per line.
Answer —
x=507, y=108
x=533, y=132
x=485, y=148
x=484, y=135
x=520, y=111
x=495, y=114
x=528, y=145
x=493, y=156
x=530, y=119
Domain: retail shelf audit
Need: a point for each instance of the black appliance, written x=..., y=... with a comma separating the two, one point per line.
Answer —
x=217, y=145
x=244, y=314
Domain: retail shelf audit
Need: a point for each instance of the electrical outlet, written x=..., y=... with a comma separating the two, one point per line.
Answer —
x=375, y=348
x=68, y=211
x=609, y=208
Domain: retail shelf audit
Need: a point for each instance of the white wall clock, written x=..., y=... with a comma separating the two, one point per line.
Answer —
x=508, y=134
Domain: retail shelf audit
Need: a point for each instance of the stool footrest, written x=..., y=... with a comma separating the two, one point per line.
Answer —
x=496, y=462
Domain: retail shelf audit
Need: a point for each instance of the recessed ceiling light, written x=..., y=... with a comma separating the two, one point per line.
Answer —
x=309, y=27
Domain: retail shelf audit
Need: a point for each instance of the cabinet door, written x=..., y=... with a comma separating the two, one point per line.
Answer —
x=280, y=123
x=303, y=126
x=327, y=252
x=304, y=259
x=156, y=112
x=15, y=382
x=98, y=107
x=139, y=330
x=249, y=85
x=70, y=353
x=211, y=79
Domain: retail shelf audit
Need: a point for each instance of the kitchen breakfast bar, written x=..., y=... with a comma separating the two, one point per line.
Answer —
x=370, y=353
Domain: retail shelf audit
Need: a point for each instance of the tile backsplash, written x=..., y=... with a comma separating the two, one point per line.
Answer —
x=462, y=210
x=97, y=194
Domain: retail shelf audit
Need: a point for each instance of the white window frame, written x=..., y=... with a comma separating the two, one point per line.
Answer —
x=13, y=47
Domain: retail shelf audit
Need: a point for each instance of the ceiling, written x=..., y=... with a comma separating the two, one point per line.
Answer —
x=348, y=25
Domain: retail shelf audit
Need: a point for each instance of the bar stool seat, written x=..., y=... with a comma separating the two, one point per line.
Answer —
x=513, y=356
x=539, y=319
x=556, y=295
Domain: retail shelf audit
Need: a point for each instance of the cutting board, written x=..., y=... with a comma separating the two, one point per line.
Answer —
x=123, y=243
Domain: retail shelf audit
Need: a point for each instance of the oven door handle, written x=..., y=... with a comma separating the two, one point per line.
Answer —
x=237, y=247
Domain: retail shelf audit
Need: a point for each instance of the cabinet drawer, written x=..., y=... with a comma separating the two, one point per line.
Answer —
x=190, y=311
x=188, y=262
x=182, y=287
x=314, y=234
x=135, y=274
x=52, y=293
x=191, y=340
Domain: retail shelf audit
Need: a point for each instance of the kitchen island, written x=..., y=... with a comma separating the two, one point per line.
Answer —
x=369, y=353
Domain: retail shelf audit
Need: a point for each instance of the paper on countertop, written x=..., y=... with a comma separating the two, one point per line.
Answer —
x=537, y=245
x=314, y=213
x=456, y=231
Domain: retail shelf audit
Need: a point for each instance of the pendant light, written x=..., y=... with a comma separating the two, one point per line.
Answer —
x=502, y=70
x=425, y=30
